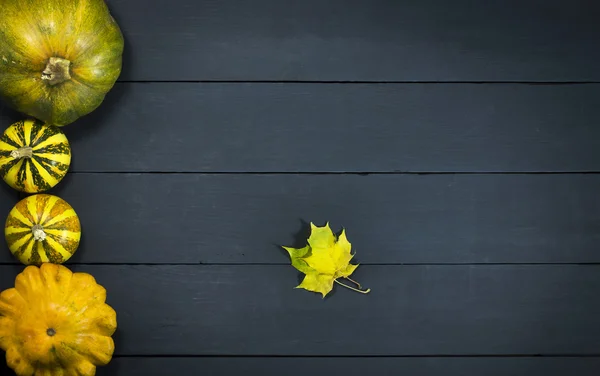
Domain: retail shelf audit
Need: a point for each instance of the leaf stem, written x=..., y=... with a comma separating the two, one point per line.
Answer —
x=353, y=281
x=352, y=288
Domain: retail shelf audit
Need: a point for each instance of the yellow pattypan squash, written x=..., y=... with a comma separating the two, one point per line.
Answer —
x=56, y=323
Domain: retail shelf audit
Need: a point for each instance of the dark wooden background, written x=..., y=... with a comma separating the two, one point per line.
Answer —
x=457, y=141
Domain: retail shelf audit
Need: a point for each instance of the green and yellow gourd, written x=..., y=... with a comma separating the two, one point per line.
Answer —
x=58, y=58
x=42, y=228
x=34, y=157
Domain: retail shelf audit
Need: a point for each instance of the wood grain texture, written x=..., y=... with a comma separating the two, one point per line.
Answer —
x=411, y=310
x=8, y=198
x=265, y=366
x=379, y=40
x=189, y=218
x=181, y=127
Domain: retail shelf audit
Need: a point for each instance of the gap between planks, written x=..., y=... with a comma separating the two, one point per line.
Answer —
x=359, y=173
x=366, y=356
x=360, y=82
x=449, y=264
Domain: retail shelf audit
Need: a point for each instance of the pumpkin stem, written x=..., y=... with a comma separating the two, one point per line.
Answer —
x=57, y=71
x=23, y=152
x=51, y=332
x=38, y=232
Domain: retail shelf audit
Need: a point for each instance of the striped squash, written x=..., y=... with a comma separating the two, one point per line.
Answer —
x=34, y=157
x=42, y=228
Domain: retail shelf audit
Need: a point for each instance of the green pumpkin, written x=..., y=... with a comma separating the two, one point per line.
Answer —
x=58, y=58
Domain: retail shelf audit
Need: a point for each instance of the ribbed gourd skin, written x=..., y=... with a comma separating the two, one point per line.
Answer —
x=54, y=322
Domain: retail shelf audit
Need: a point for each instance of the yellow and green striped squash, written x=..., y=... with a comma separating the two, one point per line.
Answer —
x=42, y=228
x=34, y=157
x=58, y=58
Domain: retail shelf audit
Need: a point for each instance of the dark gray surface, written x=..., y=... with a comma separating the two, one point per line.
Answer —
x=190, y=218
x=8, y=198
x=519, y=317
x=411, y=310
x=339, y=127
x=352, y=366
x=382, y=40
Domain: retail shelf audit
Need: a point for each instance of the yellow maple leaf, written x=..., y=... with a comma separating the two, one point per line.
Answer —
x=324, y=260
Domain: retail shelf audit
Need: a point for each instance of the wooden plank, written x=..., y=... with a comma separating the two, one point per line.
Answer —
x=190, y=218
x=379, y=40
x=390, y=218
x=380, y=366
x=355, y=366
x=332, y=127
x=411, y=310
x=8, y=198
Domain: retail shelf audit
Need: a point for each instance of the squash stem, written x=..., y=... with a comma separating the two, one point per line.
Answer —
x=38, y=232
x=22, y=152
x=352, y=288
x=57, y=71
